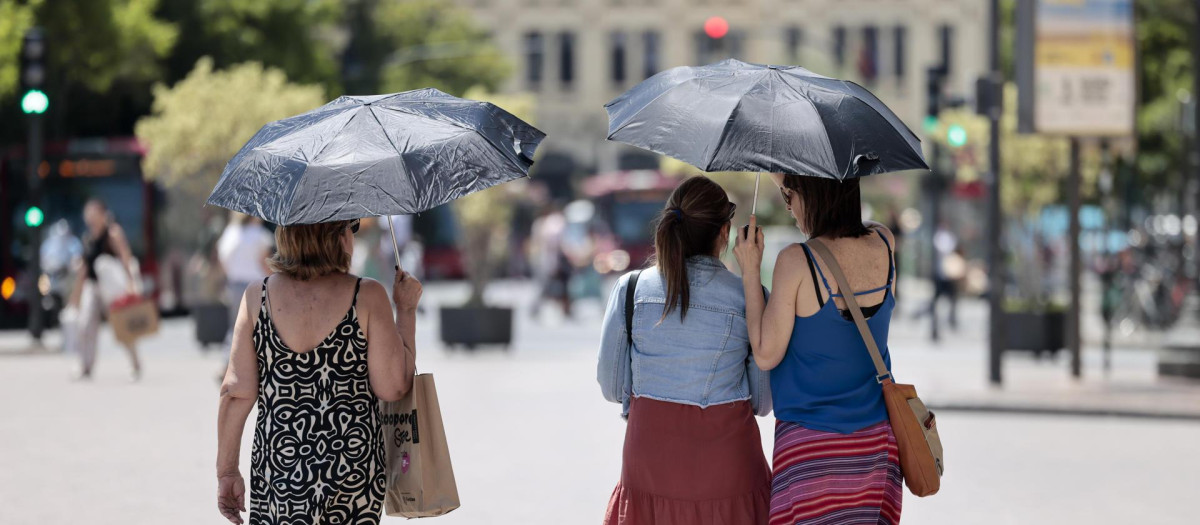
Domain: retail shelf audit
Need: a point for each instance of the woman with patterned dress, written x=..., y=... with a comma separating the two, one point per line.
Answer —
x=835, y=458
x=315, y=349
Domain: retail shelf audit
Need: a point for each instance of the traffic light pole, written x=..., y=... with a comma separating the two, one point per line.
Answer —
x=995, y=251
x=33, y=160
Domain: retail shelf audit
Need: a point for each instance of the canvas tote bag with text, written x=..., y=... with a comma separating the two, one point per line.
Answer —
x=420, y=480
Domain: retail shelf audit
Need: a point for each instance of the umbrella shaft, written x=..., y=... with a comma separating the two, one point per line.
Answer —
x=754, y=206
x=395, y=247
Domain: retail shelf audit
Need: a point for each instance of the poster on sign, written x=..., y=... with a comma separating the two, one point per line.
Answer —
x=1084, y=67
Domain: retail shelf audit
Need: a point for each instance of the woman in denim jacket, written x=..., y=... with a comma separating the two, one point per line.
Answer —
x=688, y=383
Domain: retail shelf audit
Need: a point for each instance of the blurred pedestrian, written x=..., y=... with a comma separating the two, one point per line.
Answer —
x=243, y=249
x=949, y=269
x=693, y=454
x=316, y=362
x=109, y=271
x=551, y=268
x=832, y=435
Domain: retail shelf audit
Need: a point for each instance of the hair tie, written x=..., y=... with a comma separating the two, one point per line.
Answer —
x=678, y=212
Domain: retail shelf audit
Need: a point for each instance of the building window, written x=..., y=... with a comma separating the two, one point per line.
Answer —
x=868, y=57
x=617, y=57
x=899, y=36
x=651, y=61
x=839, y=46
x=946, y=36
x=566, y=58
x=535, y=57
x=794, y=40
x=709, y=50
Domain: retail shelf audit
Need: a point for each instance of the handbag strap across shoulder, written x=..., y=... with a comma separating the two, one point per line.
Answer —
x=882, y=373
x=630, y=289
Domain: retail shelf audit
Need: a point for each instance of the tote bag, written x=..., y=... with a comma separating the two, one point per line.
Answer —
x=420, y=480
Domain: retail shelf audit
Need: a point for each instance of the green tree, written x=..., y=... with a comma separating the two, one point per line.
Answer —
x=198, y=124
x=435, y=45
x=303, y=38
x=15, y=19
x=1164, y=32
x=98, y=42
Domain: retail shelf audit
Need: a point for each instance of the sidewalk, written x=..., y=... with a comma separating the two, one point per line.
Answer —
x=952, y=374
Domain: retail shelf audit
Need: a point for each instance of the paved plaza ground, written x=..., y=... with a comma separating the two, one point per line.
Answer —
x=534, y=443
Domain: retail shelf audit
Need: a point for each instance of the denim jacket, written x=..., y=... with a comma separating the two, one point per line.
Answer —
x=702, y=360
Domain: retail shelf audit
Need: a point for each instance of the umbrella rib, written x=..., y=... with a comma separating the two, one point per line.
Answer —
x=727, y=126
x=630, y=119
x=454, y=123
x=828, y=144
x=399, y=154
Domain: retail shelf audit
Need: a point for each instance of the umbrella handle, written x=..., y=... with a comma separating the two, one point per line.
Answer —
x=395, y=247
x=754, y=206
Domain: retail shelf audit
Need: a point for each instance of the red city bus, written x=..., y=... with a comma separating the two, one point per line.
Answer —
x=72, y=172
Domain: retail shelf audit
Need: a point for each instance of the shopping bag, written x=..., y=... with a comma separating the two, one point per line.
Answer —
x=420, y=480
x=133, y=317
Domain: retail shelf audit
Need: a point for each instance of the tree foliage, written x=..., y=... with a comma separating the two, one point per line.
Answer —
x=15, y=18
x=435, y=45
x=98, y=42
x=198, y=124
x=1164, y=32
x=300, y=37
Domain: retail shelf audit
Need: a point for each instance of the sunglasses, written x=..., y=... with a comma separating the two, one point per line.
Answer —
x=787, y=195
x=354, y=226
x=732, y=210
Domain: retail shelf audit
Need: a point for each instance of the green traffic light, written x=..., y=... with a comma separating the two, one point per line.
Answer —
x=931, y=123
x=34, y=217
x=35, y=102
x=956, y=136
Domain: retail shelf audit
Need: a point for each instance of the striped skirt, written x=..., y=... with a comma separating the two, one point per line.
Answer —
x=826, y=478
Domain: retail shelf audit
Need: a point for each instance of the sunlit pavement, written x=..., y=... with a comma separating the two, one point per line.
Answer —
x=534, y=443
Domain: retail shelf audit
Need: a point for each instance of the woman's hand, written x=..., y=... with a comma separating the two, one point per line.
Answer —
x=231, y=497
x=748, y=249
x=406, y=291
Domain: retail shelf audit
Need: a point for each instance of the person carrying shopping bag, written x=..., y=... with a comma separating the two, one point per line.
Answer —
x=675, y=354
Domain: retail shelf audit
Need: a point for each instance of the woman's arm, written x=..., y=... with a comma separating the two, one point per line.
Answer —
x=769, y=324
x=391, y=353
x=614, y=369
x=239, y=391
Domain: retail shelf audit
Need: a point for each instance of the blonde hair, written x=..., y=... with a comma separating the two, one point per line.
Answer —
x=306, y=251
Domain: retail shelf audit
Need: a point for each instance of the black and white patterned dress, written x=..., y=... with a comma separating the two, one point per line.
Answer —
x=318, y=453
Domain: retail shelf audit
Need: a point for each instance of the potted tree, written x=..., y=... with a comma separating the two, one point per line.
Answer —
x=485, y=220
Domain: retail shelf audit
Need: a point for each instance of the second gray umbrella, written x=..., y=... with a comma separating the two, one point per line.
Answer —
x=735, y=116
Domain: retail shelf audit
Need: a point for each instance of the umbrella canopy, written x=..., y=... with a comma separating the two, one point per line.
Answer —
x=365, y=156
x=735, y=116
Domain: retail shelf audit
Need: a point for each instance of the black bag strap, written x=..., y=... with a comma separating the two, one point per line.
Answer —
x=629, y=289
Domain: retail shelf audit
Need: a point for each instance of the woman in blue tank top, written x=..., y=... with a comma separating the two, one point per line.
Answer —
x=835, y=458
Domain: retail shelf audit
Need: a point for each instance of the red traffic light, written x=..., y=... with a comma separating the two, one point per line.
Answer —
x=716, y=27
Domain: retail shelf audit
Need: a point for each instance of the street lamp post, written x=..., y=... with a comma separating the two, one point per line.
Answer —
x=995, y=253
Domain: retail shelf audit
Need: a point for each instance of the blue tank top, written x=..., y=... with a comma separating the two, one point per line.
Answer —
x=826, y=380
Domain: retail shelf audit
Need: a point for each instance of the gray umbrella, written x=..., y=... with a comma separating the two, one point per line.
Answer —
x=365, y=156
x=735, y=116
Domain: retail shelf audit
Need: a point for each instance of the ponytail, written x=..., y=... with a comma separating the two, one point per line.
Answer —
x=669, y=254
x=689, y=225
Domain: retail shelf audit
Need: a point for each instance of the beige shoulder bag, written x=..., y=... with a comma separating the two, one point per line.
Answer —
x=914, y=425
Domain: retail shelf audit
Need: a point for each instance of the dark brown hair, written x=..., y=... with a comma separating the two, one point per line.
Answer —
x=831, y=208
x=306, y=251
x=689, y=225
